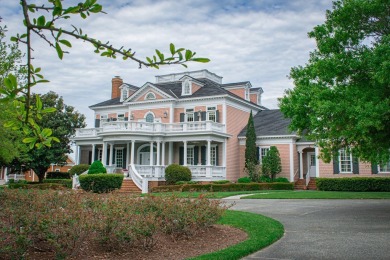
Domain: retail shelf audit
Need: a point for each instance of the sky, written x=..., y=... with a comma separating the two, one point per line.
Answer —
x=257, y=41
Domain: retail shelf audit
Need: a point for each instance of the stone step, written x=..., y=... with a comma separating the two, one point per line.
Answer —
x=128, y=186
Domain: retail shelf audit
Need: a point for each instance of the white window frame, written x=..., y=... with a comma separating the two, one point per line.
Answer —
x=186, y=88
x=149, y=113
x=150, y=96
x=117, y=149
x=124, y=94
x=263, y=154
x=104, y=118
x=212, y=113
x=190, y=151
x=347, y=157
x=100, y=154
x=190, y=113
x=121, y=117
x=213, y=154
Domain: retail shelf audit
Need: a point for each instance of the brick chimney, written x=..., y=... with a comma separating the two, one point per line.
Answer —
x=116, y=83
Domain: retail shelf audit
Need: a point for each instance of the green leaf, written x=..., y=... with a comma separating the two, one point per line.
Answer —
x=55, y=139
x=188, y=54
x=29, y=140
x=41, y=20
x=83, y=15
x=185, y=66
x=14, y=39
x=66, y=43
x=160, y=55
x=49, y=110
x=59, y=51
x=96, y=8
x=149, y=60
x=38, y=102
x=203, y=60
x=172, y=48
x=180, y=56
x=9, y=124
x=46, y=132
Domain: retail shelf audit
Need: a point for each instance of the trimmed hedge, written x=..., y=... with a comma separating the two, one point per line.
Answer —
x=58, y=175
x=175, y=173
x=101, y=183
x=282, y=179
x=39, y=186
x=224, y=187
x=353, y=184
x=78, y=169
x=221, y=182
x=244, y=180
x=65, y=182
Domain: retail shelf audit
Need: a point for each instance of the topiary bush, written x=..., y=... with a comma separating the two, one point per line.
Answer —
x=78, y=169
x=97, y=167
x=175, y=173
x=58, y=175
x=101, y=183
x=244, y=180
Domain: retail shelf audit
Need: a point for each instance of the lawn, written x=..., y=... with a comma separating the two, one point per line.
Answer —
x=318, y=195
x=211, y=195
x=262, y=231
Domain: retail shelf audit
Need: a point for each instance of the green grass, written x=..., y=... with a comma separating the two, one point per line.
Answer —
x=262, y=231
x=318, y=195
x=211, y=195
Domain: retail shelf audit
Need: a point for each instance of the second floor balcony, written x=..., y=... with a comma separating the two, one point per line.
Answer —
x=155, y=128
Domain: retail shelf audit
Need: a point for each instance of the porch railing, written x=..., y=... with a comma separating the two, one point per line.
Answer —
x=142, y=183
x=307, y=177
x=197, y=171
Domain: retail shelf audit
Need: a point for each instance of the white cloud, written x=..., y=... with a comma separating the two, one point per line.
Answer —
x=258, y=41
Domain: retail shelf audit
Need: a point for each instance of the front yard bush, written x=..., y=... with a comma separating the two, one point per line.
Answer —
x=281, y=179
x=221, y=182
x=96, y=168
x=353, y=184
x=65, y=182
x=37, y=186
x=63, y=224
x=175, y=173
x=101, y=183
x=224, y=187
x=58, y=175
x=78, y=169
x=244, y=180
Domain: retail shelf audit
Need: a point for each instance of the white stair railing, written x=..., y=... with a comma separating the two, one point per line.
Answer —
x=139, y=181
x=307, y=178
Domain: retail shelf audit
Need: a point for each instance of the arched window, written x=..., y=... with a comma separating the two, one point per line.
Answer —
x=150, y=96
x=149, y=118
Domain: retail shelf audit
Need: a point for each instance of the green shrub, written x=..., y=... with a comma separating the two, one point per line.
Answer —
x=101, y=183
x=167, y=188
x=37, y=185
x=281, y=179
x=265, y=179
x=58, y=175
x=221, y=182
x=244, y=180
x=175, y=173
x=78, y=169
x=186, y=182
x=64, y=182
x=196, y=187
x=96, y=168
x=353, y=184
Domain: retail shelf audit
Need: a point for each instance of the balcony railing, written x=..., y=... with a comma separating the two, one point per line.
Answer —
x=199, y=172
x=126, y=126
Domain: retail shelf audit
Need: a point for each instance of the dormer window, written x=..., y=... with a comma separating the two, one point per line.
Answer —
x=186, y=88
x=124, y=94
x=150, y=96
x=246, y=93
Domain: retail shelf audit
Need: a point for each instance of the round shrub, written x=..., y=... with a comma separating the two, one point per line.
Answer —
x=101, y=183
x=244, y=180
x=175, y=173
x=58, y=175
x=281, y=179
x=265, y=179
x=97, y=167
x=78, y=169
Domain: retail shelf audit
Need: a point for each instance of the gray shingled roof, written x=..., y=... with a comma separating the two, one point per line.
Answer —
x=110, y=102
x=270, y=123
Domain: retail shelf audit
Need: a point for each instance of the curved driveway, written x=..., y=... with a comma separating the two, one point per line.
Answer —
x=325, y=229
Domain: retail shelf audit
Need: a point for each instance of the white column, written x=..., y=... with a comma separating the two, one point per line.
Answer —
x=127, y=155
x=300, y=165
x=111, y=154
x=104, y=153
x=171, y=114
x=163, y=154
x=132, y=151
x=158, y=153
x=170, y=153
x=77, y=154
x=224, y=153
x=151, y=153
x=185, y=153
x=93, y=153
x=208, y=152
x=291, y=162
x=317, y=162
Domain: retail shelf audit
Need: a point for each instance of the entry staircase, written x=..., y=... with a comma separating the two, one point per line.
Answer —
x=128, y=186
x=301, y=184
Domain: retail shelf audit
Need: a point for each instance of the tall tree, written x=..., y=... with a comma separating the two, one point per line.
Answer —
x=271, y=164
x=342, y=95
x=63, y=123
x=250, y=143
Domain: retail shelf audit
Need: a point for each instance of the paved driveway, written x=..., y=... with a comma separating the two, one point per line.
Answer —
x=326, y=229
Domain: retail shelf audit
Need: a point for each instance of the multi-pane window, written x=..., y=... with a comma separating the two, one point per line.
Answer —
x=263, y=153
x=384, y=167
x=190, y=155
x=150, y=95
x=213, y=155
x=190, y=115
x=119, y=157
x=187, y=88
x=100, y=154
x=121, y=117
x=345, y=161
x=211, y=114
x=124, y=94
x=103, y=118
x=149, y=118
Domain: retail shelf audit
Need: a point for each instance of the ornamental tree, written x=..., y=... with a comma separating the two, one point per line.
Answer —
x=271, y=163
x=342, y=95
x=250, y=143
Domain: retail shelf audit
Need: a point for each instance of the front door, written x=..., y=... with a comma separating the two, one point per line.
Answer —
x=311, y=164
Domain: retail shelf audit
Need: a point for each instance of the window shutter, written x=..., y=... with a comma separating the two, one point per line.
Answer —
x=217, y=155
x=374, y=168
x=126, y=118
x=196, y=155
x=181, y=117
x=355, y=165
x=203, y=116
x=217, y=116
x=97, y=122
x=181, y=155
x=336, y=169
x=203, y=155
x=124, y=158
x=108, y=157
x=114, y=119
x=258, y=153
x=196, y=116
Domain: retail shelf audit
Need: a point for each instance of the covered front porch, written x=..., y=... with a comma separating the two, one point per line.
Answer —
x=308, y=163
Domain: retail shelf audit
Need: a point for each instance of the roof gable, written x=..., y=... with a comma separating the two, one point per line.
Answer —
x=142, y=93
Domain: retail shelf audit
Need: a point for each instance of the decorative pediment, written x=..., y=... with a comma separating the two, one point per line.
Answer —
x=148, y=92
